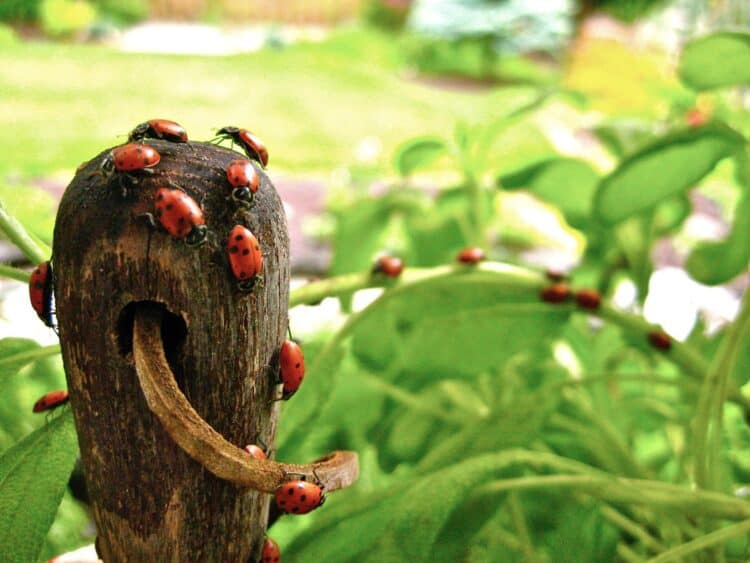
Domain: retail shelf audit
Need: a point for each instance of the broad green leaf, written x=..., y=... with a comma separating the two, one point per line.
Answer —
x=33, y=477
x=455, y=326
x=419, y=153
x=623, y=136
x=717, y=262
x=567, y=183
x=667, y=167
x=716, y=60
x=15, y=353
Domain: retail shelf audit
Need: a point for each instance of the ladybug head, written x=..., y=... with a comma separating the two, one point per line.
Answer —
x=242, y=196
x=228, y=130
x=107, y=166
x=139, y=132
x=197, y=235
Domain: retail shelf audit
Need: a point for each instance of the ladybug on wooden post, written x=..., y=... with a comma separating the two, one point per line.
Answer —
x=41, y=294
x=245, y=257
x=244, y=179
x=128, y=160
x=51, y=400
x=180, y=216
x=252, y=145
x=389, y=266
x=159, y=129
x=271, y=552
x=292, y=362
x=299, y=496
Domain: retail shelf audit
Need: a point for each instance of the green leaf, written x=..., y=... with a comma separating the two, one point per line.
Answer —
x=716, y=60
x=667, y=167
x=33, y=477
x=14, y=354
x=419, y=153
x=567, y=183
x=455, y=326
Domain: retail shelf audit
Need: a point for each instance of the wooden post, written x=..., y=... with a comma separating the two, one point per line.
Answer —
x=151, y=500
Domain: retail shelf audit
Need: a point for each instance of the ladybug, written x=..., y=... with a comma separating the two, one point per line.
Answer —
x=41, y=295
x=180, y=216
x=244, y=179
x=159, y=129
x=245, y=257
x=694, y=117
x=271, y=552
x=255, y=451
x=555, y=293
x=292, y=368
x=470, y=255
x=660, y=340
x=252, y=145
x=51, y=400
x=129, y=159
x=588, y=299
x=299, y=496
x=389, y=266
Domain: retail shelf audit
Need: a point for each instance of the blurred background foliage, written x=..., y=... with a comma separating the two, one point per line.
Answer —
x=598, y=138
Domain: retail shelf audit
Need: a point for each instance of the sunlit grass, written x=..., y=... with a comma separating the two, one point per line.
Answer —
x=312, y=104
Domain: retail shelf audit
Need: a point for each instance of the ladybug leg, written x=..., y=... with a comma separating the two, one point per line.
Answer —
x=149, y=217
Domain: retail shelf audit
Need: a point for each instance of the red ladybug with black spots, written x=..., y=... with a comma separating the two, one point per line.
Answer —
x=292, y=362
x=180, y=216
x=299, y=496
x=244, y=179
x=51, y=400
x=159, y=129
x=41, y=294
x=128, y=160
x=245, y=257
x=271, y=552
x=251, y=144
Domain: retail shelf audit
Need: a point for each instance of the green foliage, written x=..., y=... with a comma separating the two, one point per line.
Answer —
x=33, y=476
x=123, y=11
x=61, y=18
x=19, y=10
x=666, y=167
x=699, y=68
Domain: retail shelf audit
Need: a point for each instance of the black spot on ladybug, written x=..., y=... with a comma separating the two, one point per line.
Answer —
x=290, y=492
x=303, y=498
x=181, y=220
x=295, y=509
x=160, y=197
x=138, y=149
x=145, y=161
x=282, y=502
x=297, y=365
x=246, y=252
x=39, y=285
x=238, y=237
x=170, y=206
x=234, y=249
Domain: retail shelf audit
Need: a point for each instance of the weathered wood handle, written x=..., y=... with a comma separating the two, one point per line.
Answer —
x=204, y=444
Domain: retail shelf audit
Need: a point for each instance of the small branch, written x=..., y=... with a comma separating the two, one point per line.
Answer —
x=201, y=442
x=14, y=273
x=21, y=238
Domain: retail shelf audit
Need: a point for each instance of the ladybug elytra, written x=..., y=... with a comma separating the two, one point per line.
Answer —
x=588, y=299
x=51, y=400
x=660, y=340
x=389, y=266
x=129, y=159
x=252, y=145
x=470, y=255
x=271, y=552
x=244, y=179
x=555, y=293
x=41, y=294
x=245, y=257
x=180, y=216
x=292, y=363
x=159, y=129
x=299, y=496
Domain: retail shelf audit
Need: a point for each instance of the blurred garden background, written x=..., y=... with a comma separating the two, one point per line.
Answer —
x=416, y=128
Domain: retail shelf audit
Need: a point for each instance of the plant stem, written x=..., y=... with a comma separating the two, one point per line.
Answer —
x=632, y=528
x=708, y=420
x=714, y=539
x=13, y=273
x=21, y=238
x=522, y=529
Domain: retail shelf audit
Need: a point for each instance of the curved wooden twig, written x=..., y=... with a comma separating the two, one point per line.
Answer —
x=200, y=441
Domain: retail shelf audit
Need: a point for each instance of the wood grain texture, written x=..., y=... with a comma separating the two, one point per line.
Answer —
x=151, y=501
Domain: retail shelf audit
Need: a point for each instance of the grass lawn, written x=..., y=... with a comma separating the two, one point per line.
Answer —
x=311, y=103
